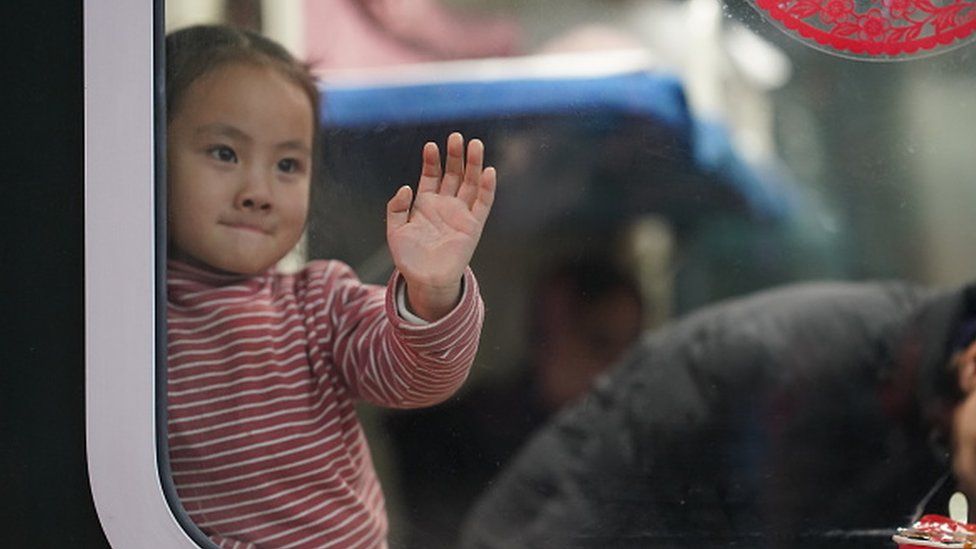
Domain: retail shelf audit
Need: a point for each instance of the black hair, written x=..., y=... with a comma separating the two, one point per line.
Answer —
x=195, y=51
x=593, y=277
x=589, y=278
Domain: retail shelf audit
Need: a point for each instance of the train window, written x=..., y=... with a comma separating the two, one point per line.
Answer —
x=684, y=341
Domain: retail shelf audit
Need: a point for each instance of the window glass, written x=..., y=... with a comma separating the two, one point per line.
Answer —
x=656, y=160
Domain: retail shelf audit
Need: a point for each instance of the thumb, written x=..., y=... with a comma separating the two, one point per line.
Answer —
x=398, y=208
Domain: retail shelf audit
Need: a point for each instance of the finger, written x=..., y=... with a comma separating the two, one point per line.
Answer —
x=472, y=172
x=430, y=171
x=398, y=209
x=454, y=166
x=486, y=196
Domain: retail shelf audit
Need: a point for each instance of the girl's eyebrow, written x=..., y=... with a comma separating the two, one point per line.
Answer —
x=294, y=145
x=227, y=130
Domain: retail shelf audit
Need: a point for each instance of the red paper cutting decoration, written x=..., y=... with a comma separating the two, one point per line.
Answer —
x=875, y=29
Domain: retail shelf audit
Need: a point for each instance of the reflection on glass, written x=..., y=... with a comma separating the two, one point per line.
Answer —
x=704, y=155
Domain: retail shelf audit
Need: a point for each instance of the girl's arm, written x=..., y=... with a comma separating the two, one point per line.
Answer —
x=388, y=360
x=385, y=358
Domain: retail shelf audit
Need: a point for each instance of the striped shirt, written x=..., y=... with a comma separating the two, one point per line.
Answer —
x=265, y=447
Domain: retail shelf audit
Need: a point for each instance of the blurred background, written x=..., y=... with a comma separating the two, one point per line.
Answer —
x=654, y=156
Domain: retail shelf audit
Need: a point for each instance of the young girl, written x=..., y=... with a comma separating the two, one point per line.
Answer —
x=264, y=368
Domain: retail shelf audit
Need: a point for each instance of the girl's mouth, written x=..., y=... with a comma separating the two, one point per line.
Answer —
x=246, y=227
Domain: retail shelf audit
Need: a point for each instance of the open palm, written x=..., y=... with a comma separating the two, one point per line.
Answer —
x=433, y=239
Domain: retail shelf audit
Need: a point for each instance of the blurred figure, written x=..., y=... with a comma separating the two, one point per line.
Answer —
x=585, y=313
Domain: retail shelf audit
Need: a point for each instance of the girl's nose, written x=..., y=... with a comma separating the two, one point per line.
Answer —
x=255, y=195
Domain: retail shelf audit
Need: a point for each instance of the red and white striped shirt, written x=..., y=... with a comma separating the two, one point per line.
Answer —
x=265, y=447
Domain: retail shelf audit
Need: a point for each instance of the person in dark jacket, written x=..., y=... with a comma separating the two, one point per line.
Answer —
x=822, y=415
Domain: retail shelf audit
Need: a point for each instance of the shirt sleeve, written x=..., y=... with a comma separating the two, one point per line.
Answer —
x=401, y=304
x=388, y=359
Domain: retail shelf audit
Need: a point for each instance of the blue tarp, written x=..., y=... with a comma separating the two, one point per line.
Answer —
x=658, y=97
x=767, y=189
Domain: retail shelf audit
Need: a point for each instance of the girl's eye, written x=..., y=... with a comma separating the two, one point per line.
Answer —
x=223, y=153
x=289, y=165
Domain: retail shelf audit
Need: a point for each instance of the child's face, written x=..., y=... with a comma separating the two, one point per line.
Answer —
x=238, y=169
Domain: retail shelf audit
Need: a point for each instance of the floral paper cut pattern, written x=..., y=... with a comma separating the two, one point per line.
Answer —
x=876, y=29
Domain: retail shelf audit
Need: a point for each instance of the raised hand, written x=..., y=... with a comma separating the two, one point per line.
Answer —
x=433, y=240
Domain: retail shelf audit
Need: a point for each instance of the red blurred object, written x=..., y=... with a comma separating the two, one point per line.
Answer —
x=936, y=531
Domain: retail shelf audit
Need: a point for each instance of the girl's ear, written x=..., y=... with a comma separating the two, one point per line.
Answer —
x=966, y=369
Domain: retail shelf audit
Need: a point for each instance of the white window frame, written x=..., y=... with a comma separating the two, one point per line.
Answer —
x=120, y=277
